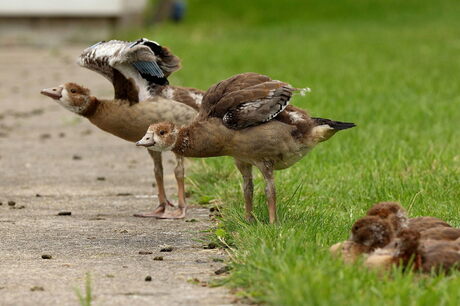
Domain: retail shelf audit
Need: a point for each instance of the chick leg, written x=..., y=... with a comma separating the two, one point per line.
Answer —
x=248, y=187
x=267, y=171
x=179, y=172
x=158, y=170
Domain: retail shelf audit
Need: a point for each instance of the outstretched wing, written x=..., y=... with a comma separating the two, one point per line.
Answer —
x=134, y=68
x=248, y=100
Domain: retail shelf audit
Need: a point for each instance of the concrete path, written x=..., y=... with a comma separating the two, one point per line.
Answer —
x=52, y=161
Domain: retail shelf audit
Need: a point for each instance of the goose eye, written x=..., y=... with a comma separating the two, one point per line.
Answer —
x=73, y=90
x=162, y=132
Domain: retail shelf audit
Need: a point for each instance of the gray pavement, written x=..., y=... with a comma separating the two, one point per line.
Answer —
x=52, y=161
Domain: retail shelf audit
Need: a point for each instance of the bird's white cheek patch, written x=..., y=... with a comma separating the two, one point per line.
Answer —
x=161, y=144
x=66, y=102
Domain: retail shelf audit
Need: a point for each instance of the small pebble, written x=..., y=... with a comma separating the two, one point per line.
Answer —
x=167, y=249
x=46, y=256
x=148, y=278
x=64, y=213
x=145, y=252
x=11, y=203
x=210, y=246
x=124, y=194
x=38, y=195
x=37, y=288
x=1, y=203
x=158, y=258
x=76, y=157
x=100, y=178
x=222, y=270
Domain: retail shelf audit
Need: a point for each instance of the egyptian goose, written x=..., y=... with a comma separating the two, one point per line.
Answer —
x=395, y=214
x=425, y=254
x=138, y=71
x=247, y=117
x=381, y=225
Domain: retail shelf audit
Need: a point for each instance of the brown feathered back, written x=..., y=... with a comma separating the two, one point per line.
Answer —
x=246, y=100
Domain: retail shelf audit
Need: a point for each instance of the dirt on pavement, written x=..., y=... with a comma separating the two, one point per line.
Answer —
x=52, y=161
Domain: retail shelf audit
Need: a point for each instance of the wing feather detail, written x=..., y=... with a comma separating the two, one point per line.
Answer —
x=134, y=68
x=246, y=100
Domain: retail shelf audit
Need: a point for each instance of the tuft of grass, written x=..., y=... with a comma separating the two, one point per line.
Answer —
x=85, y=299
x=387, y=65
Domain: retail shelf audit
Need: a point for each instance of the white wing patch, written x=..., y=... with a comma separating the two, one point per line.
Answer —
x=130, y=73
x=197, y=97
x=168, y=93
x=296, y=117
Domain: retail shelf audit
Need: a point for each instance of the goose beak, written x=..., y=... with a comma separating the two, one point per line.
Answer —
x=146, y=141
x=54, y=93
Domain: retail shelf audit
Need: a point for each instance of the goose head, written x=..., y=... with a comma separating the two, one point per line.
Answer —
x=71, y=96
x=392, y=212
x=371, y=232
x=159, y=137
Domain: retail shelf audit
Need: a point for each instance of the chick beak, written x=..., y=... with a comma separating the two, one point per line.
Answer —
x=54, y=93
x=146, y=141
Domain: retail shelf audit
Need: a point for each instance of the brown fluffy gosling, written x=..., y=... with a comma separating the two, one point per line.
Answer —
x=412, y=249
x=382, y=224
x=247, y=117
x=138, y=71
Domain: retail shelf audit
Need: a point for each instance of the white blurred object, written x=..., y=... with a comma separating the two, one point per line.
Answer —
x=50, y=22
x=60, y=8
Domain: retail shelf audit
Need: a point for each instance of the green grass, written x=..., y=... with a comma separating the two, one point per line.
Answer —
x=391, y=67
x=86, y=298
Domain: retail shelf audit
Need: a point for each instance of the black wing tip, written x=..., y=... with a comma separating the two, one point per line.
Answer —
x=336, y=125
x=153, y=45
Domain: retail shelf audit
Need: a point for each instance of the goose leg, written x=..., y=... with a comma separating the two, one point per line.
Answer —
x=267, y=171
x=248, y=187
x=158, y=170
x=179, y=172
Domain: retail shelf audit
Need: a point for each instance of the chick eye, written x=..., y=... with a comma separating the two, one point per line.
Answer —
x=73, y=90
x=162, y=132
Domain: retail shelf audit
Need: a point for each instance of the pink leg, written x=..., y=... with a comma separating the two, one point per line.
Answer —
x=267, y=171
x=179, y=172
x=248, y=187
x=158, y=170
